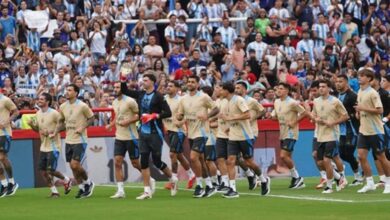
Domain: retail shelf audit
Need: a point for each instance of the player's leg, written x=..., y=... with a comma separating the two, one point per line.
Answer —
x=133, y=150
x=211, y=169
x=85, y=184
x=145, y=151
x=186, y=165
x=221, y=150
x=120, y=148
x=44, y=168
x=320, y=168
x=363, y=148
x=197, y=150
x=10, y=187
x=252, y=180
x=380, y=143
x=287, y=146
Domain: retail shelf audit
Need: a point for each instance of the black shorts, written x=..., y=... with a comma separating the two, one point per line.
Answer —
x=48, y=160
x=74, y=152
x=5, y=144
x=374, y=142
x=198, y=144
x=327, y=149
x=245, y=147
x=209, y=153
x=314, y=145
x=221, y=147
x=288, y=144
x=348, y=141
x=131, y=146
x=175, y=141
x=150, y=143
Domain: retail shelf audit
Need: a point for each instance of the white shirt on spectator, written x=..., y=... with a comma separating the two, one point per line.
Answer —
x=260, y=49
x=98, y=42
x=281, y=13
x=227, y=35
x=306, y=46
x=171, y=33
x=62, y=60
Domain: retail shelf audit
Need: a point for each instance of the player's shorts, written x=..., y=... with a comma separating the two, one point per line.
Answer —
x=198, y=144
x=288, y=144
x=123, y=146
x=209, y=153
x=5, y=144
x=314, y=145
x=221, y=147
x=244, y=147
x=374, y=142
x=175, y=141
x=348, y=140
x=74, y=152
x=48, y=161
x=150, y=143
x=327, y=149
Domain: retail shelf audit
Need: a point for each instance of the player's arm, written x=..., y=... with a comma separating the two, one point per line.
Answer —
x=125, y=90
x=243, y=116
x=165, y=109
x=274, y=115
x=214, y=112
x=378, y=109
x=302, y=113
x=180, y=111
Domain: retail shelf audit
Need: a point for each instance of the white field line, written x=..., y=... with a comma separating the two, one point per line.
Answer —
x=306, y=198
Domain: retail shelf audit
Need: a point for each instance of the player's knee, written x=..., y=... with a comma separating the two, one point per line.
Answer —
x=173, y=156
x=74, y=165
x=118, y=162
x=194, y=158
x=231, y=161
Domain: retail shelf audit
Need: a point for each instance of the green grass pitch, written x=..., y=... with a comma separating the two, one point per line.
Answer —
x=283, y=203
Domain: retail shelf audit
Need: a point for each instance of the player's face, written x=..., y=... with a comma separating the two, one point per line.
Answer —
x=117, y=89
x=363, y=79
x=341, y=84
x=324, y=89
x=42, y=102
x=171, y=89
x=314, y=92
x=192, y=85
x=70, y=93
x=147, y=83
x=282, y=92
x=239, y=90
x=385, y=83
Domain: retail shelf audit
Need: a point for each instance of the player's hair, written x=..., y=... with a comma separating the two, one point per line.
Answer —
x=343, y=76
x=48, y=97
x=325, y=81
x=151, y=77
x=242, y=83
x=175, y=83
x=387, y=77
x=285, y=85
x=194, y=77
x=208, y=90
x=228, y=86
x=315, y=84
x=75, y=88
x=367, y=72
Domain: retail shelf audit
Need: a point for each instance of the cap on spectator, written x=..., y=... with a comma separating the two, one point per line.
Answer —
x=183, y=59
x=291, y=79
x=251, y=78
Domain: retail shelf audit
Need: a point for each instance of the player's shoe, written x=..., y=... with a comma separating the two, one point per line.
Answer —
x=222, y=188
x=356, y=182
x=191, y=182
x=231, y=194
x=118, y=195
x=199, y=192
x=322, y=183
x=327, y=190
x=67, y=187
x=367, y=188
x=168, y=186
x=387, y=189
x=152, y=185
x=219, y=179
x=11, y=189
x=298, y=183
x=174, y=186
x=79, y=194
x=209, y=191
x=380, y=184
x=144, y=196
x=88, y=189
x=266, y=187
x=3, y=191
x=252, y=182
x=54, y=195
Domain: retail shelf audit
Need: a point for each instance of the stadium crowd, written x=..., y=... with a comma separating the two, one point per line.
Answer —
x=293, y=41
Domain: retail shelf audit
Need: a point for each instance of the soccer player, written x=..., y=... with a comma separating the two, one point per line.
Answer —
x=371, y=133
x=8, y=113
x=46, y=122
x=328, y=113
x=256, y=110
x=385, y=99
x=126, y=135
x=240, y=139
x=196, y=108
x=288, y=112
x=77, y=116
x=176, y=134
x=152, y=108
x=349, y=129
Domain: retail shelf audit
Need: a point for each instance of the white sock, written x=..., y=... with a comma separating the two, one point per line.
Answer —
x=382, y=178
x=218, y=173
x=190, y=173
x=387, y=180
x=53, y=189
x=262, y=178
x=208, y=182
x=88, y=181
x=66, y=179
x=214, y=179
x=356, y=175
x=294, y=173
x=4, y=182
x=336, y=175
x=147, y=189
x=232, y=184
x=11, y=180
x=248, y=172
x=225, y=180
x=199, y=181
x=174, y=175
x=173, y=178
x=323, y=174
x=370, y=180
x=120, y=186
x=329, y=183
x=81, y=186
x=342, y=173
